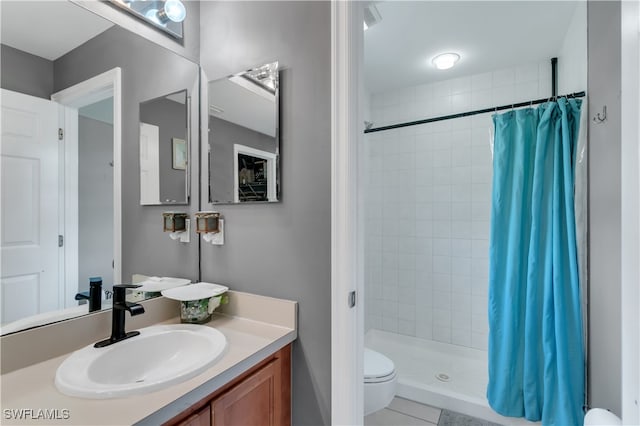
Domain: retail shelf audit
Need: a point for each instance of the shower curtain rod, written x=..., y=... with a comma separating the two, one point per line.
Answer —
x=469, y=113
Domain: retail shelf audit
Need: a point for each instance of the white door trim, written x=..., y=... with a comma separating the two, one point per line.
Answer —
x=630, y=217
x=149, y=164
x=271, y=170
x=68, y=208
x=347, y=325
x=102, y=86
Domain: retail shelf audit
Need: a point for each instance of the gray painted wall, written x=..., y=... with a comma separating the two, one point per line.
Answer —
x=222, y=136
x=189, y=46
x=171, y=118
x=26, y=73
x=95, y=209
x=604, y=205
x=283, y=249
x=148, y=71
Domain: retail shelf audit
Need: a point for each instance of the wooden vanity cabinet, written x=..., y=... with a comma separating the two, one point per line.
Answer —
x=261, y=396
x=201, y=418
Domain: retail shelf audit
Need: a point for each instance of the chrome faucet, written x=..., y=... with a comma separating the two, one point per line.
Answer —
x=120, y=305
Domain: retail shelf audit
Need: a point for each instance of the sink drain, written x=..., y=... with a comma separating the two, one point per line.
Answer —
x=443, y=377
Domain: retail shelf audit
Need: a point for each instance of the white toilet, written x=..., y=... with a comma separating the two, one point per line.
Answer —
x=600, y=417
x=379, y=381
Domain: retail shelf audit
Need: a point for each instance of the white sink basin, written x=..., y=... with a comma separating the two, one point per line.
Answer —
x=160, y=356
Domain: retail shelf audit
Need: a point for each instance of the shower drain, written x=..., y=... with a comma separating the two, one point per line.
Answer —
x=443, y=377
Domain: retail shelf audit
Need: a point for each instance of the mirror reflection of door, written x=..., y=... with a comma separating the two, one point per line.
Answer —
x=163, y=150
x=29, y=165
x=149, y=164
x=43, y=261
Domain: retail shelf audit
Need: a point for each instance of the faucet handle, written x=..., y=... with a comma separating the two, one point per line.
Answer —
x=120, y=291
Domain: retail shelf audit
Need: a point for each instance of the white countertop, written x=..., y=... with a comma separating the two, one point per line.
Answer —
x=32, y=388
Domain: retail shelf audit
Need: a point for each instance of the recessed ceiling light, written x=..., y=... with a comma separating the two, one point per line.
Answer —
x=445, y=60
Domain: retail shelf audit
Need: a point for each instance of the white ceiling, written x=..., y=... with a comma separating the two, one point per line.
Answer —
x=233, y=102
x=488, y=36
x=48, y=29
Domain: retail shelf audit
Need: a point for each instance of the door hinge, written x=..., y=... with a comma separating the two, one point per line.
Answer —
x=60, y=240
x=352, y=299
x=60, y=134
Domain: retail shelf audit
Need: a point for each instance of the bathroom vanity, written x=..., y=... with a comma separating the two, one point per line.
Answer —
x=248, y=384
x=260, y=396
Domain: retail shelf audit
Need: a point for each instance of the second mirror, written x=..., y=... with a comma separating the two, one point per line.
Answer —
x=163, y=150
x=244, y=145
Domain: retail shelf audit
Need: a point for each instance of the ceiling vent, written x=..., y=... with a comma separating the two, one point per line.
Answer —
x=371, y=16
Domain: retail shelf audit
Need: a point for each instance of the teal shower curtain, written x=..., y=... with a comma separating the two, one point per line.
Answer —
x=536, y=348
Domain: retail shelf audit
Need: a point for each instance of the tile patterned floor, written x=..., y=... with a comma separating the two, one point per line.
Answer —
x=402, y=412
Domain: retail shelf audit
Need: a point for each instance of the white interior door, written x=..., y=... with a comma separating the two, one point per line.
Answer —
x=149, y=164
x=29, y=218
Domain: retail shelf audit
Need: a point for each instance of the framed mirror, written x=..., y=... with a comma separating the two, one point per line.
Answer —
x=71, y=96
x=164, y=148
x=244, y=141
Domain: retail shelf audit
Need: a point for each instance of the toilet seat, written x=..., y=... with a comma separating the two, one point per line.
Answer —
x=377, y=367
x=379, y=381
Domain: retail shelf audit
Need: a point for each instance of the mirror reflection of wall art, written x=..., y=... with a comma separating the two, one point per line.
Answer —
x=179, y=148
x=244, y=142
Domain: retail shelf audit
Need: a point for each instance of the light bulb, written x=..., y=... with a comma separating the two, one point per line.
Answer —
x=446, y=60
x=175, y=10
x=152, y=15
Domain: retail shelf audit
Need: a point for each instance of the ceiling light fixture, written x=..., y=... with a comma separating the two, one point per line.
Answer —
x=371, y=16
x=166, y=15
x=445, y=61
x=174, y=10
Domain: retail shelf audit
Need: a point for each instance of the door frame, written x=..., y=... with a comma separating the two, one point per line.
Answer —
x=95, y=89
x=630, y=207
x=271, y=169
x=347, y=126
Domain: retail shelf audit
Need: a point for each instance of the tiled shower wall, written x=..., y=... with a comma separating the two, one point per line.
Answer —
x=428, y=202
